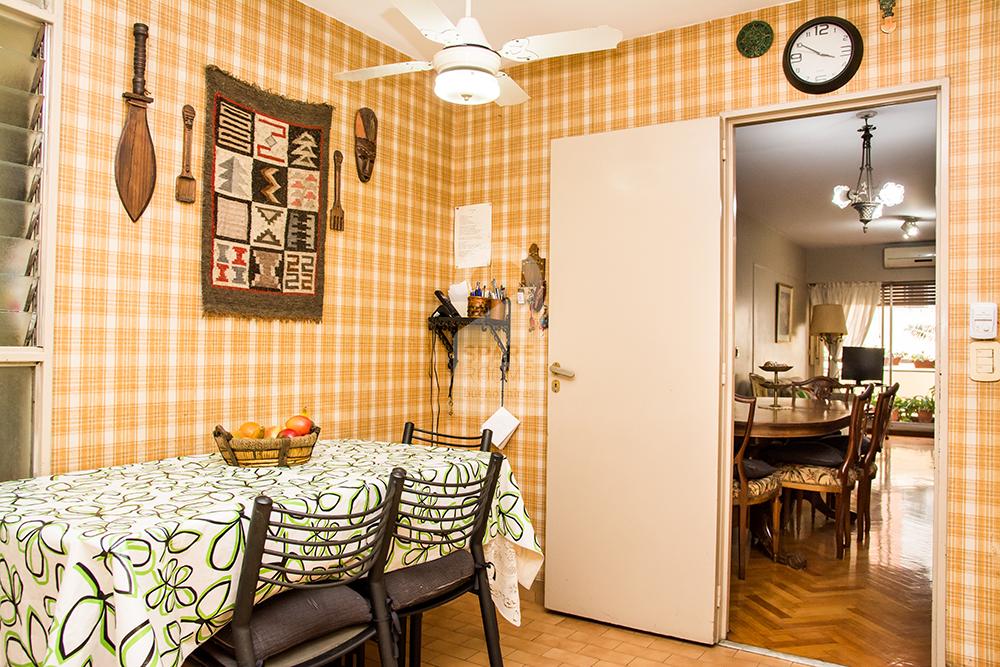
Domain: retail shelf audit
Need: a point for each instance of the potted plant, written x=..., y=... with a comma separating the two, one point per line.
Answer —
x=924, y=408
x=896, y=358
x=901, y=409
x=921, y=361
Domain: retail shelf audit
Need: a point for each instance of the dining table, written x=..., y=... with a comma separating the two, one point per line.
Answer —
x=137, y=564
x=794, y=418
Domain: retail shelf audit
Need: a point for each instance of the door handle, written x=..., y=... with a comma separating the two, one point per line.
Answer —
x=556, y=369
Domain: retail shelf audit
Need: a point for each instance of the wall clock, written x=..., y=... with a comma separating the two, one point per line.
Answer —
x=823, y=54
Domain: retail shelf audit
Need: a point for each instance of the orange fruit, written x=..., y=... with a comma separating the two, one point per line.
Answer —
x=300, y=424
x=250, y=430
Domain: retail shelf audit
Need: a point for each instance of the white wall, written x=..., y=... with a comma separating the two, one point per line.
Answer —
x=857, y=263
x=764, y=258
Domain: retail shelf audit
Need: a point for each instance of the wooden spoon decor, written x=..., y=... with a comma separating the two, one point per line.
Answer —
x=135, y=161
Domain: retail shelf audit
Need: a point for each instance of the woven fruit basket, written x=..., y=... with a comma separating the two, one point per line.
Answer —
x=265, y=452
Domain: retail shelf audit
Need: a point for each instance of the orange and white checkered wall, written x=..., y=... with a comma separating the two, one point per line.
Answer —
x=140, y=374
x=502, y=155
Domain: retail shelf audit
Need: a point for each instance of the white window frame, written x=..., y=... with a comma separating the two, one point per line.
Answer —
x=41, y=356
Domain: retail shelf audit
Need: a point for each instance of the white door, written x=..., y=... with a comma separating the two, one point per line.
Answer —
x=633, y=443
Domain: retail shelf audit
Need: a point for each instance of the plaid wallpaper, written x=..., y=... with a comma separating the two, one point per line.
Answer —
x=502, y=155
x=139, y=372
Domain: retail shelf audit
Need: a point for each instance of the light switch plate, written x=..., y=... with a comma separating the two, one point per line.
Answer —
x=984, y=361
x=983, y=320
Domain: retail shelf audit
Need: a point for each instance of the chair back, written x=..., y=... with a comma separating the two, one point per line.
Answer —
x=856, y=430
x=738, y=466
x=413, y=434
x=823, y=388
x=310, y=550
x=757, y=385
x=880, y=424
x=448, y=515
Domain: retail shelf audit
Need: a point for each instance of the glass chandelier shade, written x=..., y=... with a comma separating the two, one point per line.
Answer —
x=863, y=197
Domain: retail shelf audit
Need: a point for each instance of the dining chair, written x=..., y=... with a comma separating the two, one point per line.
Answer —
x=754, y=482
x=822, y=388
x=867, y=455
x=483, y=441
x=821, y=469
x=448, y=517
x=321, y=619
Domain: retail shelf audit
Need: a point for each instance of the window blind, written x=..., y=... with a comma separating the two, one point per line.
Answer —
x=909, y=293
x=22, y=71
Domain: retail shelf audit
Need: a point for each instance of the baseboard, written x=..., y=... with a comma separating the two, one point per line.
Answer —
x=534, y=594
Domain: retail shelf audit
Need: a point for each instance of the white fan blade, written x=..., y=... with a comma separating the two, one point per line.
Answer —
x=566, y=43
x=384, y=70
x=510, y=92
x=429, y=20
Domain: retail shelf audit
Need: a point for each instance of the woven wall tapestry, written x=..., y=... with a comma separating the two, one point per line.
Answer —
x=264, y=205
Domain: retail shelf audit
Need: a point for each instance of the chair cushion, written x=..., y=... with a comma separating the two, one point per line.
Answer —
x=839, y=442
x=213, y=654
x=757, y=488
x=814, y=476
x=757, y=469
x=297, y=616
x=417, y=584
x=807, y=454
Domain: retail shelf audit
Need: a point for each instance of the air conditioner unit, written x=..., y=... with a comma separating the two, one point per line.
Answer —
x=908, y=256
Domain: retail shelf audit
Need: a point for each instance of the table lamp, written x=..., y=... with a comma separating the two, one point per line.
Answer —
x=828, y=322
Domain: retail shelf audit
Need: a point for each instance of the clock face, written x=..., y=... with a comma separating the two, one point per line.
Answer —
x=823, y=55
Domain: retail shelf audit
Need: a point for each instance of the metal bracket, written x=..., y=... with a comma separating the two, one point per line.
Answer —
x=446, y=329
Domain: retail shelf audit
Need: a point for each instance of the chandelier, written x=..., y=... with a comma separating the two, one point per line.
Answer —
x=863, y=198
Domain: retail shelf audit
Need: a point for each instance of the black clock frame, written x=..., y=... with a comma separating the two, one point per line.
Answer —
x=857, y=54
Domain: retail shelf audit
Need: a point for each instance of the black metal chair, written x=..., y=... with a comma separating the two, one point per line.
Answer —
x=411, y=433
x=321, y=620
x=445, y=516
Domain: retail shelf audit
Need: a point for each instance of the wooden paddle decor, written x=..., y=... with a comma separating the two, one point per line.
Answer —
x=135, y=161
x=185, y=188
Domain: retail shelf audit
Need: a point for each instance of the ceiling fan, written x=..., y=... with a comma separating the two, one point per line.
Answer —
x=468, y=68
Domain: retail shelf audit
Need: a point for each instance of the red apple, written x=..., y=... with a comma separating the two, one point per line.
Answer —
x=287, y=433
x=300, y=424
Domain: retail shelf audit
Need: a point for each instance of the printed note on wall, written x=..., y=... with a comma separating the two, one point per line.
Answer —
x=473, y=235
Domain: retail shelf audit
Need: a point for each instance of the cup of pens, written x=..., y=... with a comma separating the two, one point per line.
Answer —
x=479, y=306
x=498, y=309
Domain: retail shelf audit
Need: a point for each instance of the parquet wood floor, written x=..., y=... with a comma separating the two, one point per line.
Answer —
x=873, y=607
x=453, y=637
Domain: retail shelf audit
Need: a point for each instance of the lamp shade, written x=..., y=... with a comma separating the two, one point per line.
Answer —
x=828, y=318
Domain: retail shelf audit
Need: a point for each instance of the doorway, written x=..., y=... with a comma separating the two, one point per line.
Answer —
x=764, y=612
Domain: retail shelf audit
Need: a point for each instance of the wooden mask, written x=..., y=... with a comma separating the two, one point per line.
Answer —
x=365, y=135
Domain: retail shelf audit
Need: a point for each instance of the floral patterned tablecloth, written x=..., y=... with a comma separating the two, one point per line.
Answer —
x=137, y=564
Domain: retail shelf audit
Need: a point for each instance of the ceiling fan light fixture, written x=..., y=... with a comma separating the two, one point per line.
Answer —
x=466, y=86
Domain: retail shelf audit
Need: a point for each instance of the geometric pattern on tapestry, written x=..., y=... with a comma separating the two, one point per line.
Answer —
x=265, y=223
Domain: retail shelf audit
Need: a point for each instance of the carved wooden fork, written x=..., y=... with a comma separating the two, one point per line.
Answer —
x=337, y=211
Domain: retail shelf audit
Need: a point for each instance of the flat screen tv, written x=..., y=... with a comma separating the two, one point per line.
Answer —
x=863, y=364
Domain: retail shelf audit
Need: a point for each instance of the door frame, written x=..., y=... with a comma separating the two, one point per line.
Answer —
x=936, y=89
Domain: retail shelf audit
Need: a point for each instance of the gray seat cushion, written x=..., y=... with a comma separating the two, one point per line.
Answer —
x=757, y=469
x=415, y=585
x=807, y=454
x=292, y=618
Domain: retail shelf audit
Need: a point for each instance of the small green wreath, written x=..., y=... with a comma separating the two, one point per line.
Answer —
x=754, y=39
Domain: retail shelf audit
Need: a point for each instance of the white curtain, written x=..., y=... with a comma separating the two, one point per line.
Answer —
x=860, y=300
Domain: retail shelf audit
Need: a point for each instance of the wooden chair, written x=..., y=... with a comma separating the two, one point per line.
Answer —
x=757, y=385
x=867, y=455
x=754, y=482
x=446, y=517
x=482, y=441
x=322, y=619
x=822, y=388
x=821, y=469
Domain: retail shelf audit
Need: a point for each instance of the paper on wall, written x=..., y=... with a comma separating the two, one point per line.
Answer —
x=459, y=295
x=503, y=424
x=473, y=235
